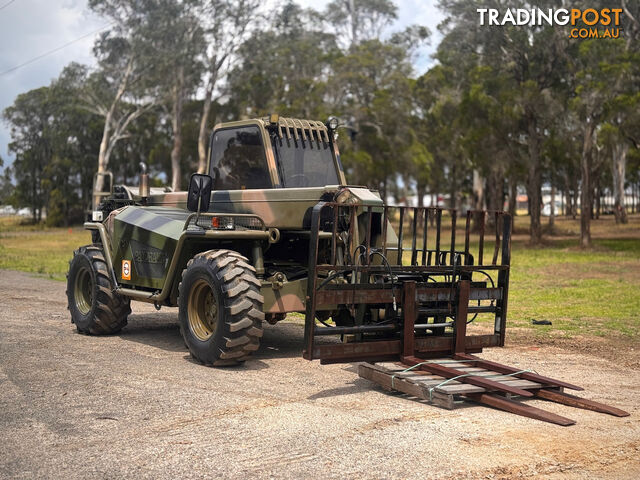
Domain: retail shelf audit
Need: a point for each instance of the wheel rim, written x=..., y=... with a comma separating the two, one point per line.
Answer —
x=83, y=291
x=202, y=310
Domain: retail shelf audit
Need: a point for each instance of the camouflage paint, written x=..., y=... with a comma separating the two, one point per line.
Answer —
x=153, y=237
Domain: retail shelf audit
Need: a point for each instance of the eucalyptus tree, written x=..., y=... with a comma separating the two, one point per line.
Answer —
x=373, y=78
x=532, y=59
x=596, y=63
x=289, y=75
x=174, y=39
x=226, y=25
x=117, y=90
x=356, y=21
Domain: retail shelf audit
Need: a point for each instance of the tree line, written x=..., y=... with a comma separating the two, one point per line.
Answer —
x=502, y=108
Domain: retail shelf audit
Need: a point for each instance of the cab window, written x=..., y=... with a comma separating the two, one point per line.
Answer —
x=238, y=160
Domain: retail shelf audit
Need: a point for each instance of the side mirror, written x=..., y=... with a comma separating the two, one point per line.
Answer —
x=199, y=194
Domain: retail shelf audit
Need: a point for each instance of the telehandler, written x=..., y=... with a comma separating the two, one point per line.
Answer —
x=272, y=228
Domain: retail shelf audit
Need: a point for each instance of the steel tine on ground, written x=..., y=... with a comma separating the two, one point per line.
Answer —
x=498, y=367
x=519, y=408
x=577, y=402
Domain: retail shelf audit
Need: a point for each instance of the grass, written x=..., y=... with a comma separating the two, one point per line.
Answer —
x=582, y=292
x=39, y=250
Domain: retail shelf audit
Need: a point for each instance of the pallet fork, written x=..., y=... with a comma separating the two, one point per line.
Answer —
x=412, y=348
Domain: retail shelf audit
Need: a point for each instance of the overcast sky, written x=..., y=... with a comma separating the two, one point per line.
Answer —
x=29, y=28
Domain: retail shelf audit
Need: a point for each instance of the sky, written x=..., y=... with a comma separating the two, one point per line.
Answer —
x=30, y=28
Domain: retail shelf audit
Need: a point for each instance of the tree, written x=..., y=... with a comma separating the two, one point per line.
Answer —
x=226, y=25
x=290, y=75
x=530, y=62
x=596, y=63
x=31, y=121
x=6, y=187
x=358, y=21
x=173, y=38
x=119, y=79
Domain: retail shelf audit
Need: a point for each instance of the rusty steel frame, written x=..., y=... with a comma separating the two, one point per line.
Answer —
x=449, y=263
x=400, y=341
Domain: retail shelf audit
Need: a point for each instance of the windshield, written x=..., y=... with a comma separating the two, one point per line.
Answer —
x=238, y=160
x=304, y=163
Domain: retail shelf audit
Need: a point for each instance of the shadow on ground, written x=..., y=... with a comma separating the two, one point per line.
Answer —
x=161, y=330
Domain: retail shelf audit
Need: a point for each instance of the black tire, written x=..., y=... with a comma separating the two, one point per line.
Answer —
x=95, y=308
x=220, y=308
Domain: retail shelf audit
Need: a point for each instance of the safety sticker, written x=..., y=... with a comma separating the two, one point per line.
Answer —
x=126, y=269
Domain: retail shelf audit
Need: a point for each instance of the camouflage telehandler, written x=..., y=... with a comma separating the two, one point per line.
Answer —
x=273, y=228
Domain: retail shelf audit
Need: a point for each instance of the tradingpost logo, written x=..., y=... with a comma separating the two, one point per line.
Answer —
x=584, y=22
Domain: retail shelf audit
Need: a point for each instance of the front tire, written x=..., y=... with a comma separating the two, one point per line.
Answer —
x=220, y=308
x=95, y=308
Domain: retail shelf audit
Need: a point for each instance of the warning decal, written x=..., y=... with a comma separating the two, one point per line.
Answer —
x=126, y=269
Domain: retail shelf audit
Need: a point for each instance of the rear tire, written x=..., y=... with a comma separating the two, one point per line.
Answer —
x=95, y=308
x=220, y=308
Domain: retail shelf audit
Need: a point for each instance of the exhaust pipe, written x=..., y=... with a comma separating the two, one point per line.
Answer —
x=144, y=183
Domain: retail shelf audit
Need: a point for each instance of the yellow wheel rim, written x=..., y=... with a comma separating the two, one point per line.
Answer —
x=202, y=310
x=83, y=291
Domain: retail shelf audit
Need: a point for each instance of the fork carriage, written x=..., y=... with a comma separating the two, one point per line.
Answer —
x=412, y=292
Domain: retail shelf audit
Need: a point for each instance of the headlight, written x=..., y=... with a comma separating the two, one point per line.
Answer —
x=333, y=123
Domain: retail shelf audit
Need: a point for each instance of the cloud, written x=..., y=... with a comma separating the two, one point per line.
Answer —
x=29, y=28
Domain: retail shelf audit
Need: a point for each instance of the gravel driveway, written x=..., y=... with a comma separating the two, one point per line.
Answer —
x=134, y=405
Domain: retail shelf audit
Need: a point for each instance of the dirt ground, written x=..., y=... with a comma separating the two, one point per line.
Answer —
x=134, y=405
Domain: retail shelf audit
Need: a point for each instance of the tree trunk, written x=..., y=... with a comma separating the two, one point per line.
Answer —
x=534, y=182
x=495, y=190
x=103, y=159
x=204, y=122
x=176, y=123
x=552, y=213
x=104, y=152
x=453, y=187
x=420, y=189
x=353, y=23
x=478, y=199
x=513, y=197
x=585, y=187
x=619, y=166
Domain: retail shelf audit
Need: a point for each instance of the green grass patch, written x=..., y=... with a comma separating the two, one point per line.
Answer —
x=43, y=251
x=580, y=291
